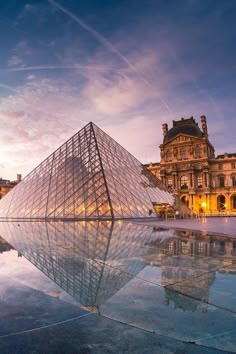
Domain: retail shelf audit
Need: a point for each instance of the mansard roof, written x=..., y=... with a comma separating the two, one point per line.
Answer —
x=183, y=126
x=226, y=155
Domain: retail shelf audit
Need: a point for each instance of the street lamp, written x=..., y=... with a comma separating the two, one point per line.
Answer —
x=204, y=204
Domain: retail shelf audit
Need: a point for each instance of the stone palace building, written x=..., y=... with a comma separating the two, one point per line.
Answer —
x=189, y=168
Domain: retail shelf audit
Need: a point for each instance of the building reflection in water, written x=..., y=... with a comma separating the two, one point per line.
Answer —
x=94, y=260
x=189, y=265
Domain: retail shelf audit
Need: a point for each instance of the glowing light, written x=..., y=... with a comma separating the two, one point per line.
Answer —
x=204, y=204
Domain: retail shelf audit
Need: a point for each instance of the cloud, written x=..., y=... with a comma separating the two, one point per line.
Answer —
x=23, y=48
x=31, y=77
x=15, y=60
x=111, y=47
x=43, y=113
x=120, y=80
x=30, y=8
x=20, y=54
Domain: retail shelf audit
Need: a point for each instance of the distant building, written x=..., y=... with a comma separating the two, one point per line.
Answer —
x=190, y=170
x=6, y=185
x=5, y=246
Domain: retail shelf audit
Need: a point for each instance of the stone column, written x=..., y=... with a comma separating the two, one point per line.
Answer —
x=192, y=197
x=208, y=179
x=191, y=179
x=174, y=180
x=205, y=179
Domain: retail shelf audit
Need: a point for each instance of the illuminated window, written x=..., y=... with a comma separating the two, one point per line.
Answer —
x=197, y=151
x=169, y=182
x=182, y=153
x=234, y=202
x=221, y=203
x=184, y=182
x=199, y=181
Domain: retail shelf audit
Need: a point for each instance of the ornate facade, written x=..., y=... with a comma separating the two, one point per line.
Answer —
x=190, y=169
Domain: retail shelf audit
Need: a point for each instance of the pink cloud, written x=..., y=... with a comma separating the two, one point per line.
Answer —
x=41, y=114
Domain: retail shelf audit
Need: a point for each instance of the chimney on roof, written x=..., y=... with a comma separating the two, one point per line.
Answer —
x=204, y=125
x=164, y=128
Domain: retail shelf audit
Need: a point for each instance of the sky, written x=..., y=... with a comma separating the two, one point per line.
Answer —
x=126, y=65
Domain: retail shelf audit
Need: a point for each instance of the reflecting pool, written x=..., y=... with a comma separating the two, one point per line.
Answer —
x=178, y=285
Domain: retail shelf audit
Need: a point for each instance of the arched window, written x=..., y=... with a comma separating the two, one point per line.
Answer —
x=199, y=181
x=182, y=153
x=184, y=182
x=233, y=202
x=233, y=180
x=185, y=200
x=168, y=155
x=221, y=202
x=197, y=151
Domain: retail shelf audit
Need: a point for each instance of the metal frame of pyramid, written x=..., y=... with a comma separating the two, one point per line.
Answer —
x=90, y=176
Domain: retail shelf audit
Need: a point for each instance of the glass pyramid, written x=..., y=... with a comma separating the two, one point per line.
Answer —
x=89, y=176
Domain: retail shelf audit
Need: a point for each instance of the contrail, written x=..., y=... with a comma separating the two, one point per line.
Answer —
x=8, y=87
x=54, y=67
x=109, y=46
x=97, y=35
x=65, y=67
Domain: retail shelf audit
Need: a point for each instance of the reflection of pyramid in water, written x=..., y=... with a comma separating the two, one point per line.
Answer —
x=89, y=260
x=89, y=176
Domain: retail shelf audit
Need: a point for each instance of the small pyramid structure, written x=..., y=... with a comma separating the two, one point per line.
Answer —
x=89, y=176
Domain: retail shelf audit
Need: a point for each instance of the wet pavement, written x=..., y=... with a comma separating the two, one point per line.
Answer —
x=103, y=287
x=223, y=225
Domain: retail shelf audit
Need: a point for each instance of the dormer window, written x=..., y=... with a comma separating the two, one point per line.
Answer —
x=168, y=155
x=182, y=153
x=197, y=151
